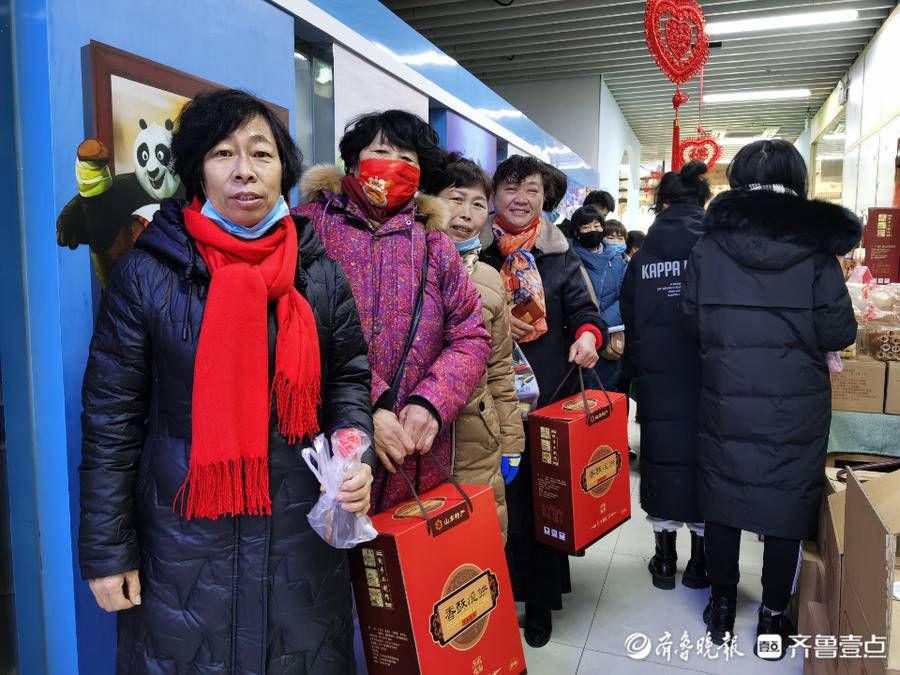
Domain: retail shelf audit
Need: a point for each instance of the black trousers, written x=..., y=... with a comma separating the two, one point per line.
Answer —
x=780, y=559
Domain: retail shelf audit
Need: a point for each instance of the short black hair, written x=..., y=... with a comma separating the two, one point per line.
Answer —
x=772, y=161
x=401, y=129
x=211, y=116
x=584, y=216
x=687, y=186
x=613, y=227
x=517, y=168
x=458, y=172
x=635, y=239
x=601, y=199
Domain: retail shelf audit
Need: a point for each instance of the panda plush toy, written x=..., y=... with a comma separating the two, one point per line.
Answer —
x=109, y=212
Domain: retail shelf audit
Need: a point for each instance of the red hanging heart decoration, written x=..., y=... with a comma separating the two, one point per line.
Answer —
x=702, y=147
x=676, y=36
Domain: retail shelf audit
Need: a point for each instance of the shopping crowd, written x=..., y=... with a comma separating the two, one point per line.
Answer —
x=382, y=310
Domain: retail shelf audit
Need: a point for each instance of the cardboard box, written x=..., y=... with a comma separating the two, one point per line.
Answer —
x=892, y=395
x=433, y=592
x=881, y=240
x=860, y=387
x=811, y=585
x=815, y=616
x=579, y=469
x=831, y=538
x=872, y=529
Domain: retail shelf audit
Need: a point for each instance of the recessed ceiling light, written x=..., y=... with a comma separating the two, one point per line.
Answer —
x=781, y=22
x=760, y=95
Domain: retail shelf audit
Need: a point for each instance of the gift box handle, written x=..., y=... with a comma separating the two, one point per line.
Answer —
x=429, y=521
x=590, y=418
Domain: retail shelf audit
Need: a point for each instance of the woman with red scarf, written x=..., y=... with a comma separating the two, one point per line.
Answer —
x=557, y=325
x=225, y=341
x=420, y=312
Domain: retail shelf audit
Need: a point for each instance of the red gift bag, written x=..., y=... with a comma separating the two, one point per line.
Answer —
x=432, y=590
x=579, y=468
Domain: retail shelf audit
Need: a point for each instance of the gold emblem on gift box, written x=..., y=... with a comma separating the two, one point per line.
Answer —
x=412, y=510
x=460, y=617
x=577, y=405
x=604, y=465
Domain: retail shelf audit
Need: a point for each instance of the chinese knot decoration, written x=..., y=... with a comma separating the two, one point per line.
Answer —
x=701, y=147
x=676, y=36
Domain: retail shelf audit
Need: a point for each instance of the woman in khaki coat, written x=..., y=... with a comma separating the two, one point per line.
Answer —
x=488, y=437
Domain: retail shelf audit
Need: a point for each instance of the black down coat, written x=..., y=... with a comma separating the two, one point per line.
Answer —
x=540, y=574
x=768, y=298
x=250, y=594
x=665, y=358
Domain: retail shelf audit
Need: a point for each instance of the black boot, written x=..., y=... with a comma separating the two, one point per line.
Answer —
x=774, y=624
x=719, y=617
x=662, y=565
x=538, y=625
x=695, y=573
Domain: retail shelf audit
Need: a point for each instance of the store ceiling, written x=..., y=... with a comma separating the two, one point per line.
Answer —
x=531, y=40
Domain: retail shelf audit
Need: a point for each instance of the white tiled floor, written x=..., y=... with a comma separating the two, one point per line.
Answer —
x=612, y=598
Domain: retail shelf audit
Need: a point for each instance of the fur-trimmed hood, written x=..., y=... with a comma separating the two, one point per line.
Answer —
x=549, y=240
x=324, y=180
x=768, y=230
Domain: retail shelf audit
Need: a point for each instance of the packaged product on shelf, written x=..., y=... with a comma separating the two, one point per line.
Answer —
x=881, y=240
x=432, y=589
x=579, y=469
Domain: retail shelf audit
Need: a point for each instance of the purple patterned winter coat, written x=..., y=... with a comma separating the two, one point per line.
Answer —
x=451, y=346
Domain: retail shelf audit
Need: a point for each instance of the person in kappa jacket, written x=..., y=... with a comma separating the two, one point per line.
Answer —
x=766, y=294
x=666, y=362
x=488, y=437
x=194, y=494
x=565, y=328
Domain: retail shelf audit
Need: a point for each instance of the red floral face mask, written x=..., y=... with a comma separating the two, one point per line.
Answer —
x=388, y=183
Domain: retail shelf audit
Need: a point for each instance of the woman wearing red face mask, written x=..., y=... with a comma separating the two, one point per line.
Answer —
x=384, y=239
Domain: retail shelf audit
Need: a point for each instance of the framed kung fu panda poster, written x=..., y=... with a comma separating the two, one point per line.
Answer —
x=124, y=168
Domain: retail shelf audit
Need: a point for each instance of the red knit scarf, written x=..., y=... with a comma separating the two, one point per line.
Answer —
x=229, y=468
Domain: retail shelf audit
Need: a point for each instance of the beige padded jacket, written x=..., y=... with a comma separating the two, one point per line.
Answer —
x=491, y=424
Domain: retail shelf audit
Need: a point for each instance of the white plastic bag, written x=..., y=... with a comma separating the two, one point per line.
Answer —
x=336, y=526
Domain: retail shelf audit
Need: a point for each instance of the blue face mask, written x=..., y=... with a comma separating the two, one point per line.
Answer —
x=279, y=211
x=615, y=249
x=468, y=244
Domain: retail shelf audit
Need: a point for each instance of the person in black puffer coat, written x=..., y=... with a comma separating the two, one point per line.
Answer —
x=765, y=291
x=666, y=360
x=574, y=331
x=236, y=593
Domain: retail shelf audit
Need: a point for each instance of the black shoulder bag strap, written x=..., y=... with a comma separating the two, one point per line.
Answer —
x=394, y=391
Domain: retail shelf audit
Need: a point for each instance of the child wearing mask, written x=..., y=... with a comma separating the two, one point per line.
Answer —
x=601, y=247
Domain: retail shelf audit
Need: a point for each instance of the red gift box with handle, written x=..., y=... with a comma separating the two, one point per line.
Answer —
x=432, y=590
x=579, y=468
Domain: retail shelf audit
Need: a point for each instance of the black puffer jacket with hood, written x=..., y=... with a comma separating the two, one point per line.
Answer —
x=665, y=358
x=767, y=296
x=249, y=594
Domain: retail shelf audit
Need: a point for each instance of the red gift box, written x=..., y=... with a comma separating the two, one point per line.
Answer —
x=433, y=593
x=579, y=469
